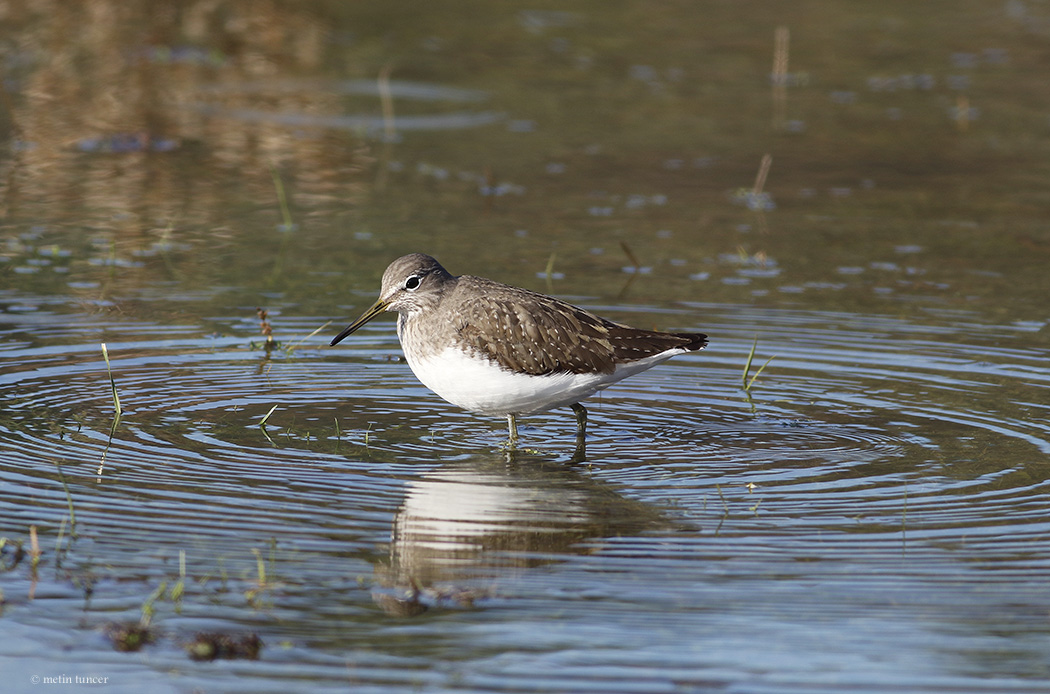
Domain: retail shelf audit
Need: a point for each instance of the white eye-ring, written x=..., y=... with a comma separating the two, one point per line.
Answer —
x=412, y=282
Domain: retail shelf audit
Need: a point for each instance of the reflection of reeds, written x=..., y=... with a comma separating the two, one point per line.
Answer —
x=635, y=265
x=962, y=113
x=286, y=227
x=58, y=542
x=264, y=326
x=112, y=428
x=763, y=173
x=262, y=426
x=179, y=588
x=387, y=102
x=755, y=198
x=262, y=422
x=781, y=39
x=34, y=549
x=635, y=269
x=904, y=521
x=282, y=201
x=69, y=498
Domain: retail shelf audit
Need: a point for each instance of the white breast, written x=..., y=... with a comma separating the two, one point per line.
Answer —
x=484, y=387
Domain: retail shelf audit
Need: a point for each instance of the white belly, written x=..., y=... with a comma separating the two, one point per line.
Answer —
x=480, y=386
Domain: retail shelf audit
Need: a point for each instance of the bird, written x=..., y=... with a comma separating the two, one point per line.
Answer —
x=498, y=350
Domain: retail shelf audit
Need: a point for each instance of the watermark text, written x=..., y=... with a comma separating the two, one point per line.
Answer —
x=68, y=679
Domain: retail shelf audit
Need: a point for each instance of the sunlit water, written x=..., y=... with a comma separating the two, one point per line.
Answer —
x=870, y=515
x=849, y=523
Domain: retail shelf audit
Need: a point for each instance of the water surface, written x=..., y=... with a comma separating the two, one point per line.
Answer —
x=871, y=515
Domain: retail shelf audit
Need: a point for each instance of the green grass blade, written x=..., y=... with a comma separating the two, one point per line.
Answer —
x=760, y=370
x=747, y=364
x=294, y=345
x=112, y=383
x=262, y=422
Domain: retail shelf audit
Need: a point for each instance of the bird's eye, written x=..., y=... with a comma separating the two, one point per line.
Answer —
x=411, y=283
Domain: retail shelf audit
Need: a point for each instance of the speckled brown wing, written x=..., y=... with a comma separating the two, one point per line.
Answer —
x=537, y=334
x=632, y=344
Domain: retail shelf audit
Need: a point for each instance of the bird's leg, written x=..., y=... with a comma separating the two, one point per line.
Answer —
x=512, y=427
x=580, y=453
x=581, y=420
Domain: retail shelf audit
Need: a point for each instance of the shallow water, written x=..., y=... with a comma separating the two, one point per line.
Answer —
x=871, y=515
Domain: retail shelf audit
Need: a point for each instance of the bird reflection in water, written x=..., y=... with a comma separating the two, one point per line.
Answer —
x=465, y=524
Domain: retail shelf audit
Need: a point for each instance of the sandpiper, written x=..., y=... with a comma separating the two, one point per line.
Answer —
x=499, y=350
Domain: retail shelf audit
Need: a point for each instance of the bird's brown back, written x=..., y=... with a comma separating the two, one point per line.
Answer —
x=537, y=334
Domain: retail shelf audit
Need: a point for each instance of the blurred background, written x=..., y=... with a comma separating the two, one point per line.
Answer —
x=907, y=149
x=855, y=195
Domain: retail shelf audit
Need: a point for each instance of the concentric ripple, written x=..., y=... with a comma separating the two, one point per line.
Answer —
x=879, y=483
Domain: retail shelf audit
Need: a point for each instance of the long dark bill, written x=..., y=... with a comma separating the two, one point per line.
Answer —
x=376, y=308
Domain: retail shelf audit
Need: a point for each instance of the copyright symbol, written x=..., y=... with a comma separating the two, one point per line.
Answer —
x=35, y=679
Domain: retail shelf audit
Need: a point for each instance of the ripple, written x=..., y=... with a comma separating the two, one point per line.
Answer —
x=877, y=469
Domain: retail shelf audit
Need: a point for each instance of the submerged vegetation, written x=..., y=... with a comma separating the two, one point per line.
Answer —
x=133, y=635
x=164, y=173
x=211, y=645
x=270, y=344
